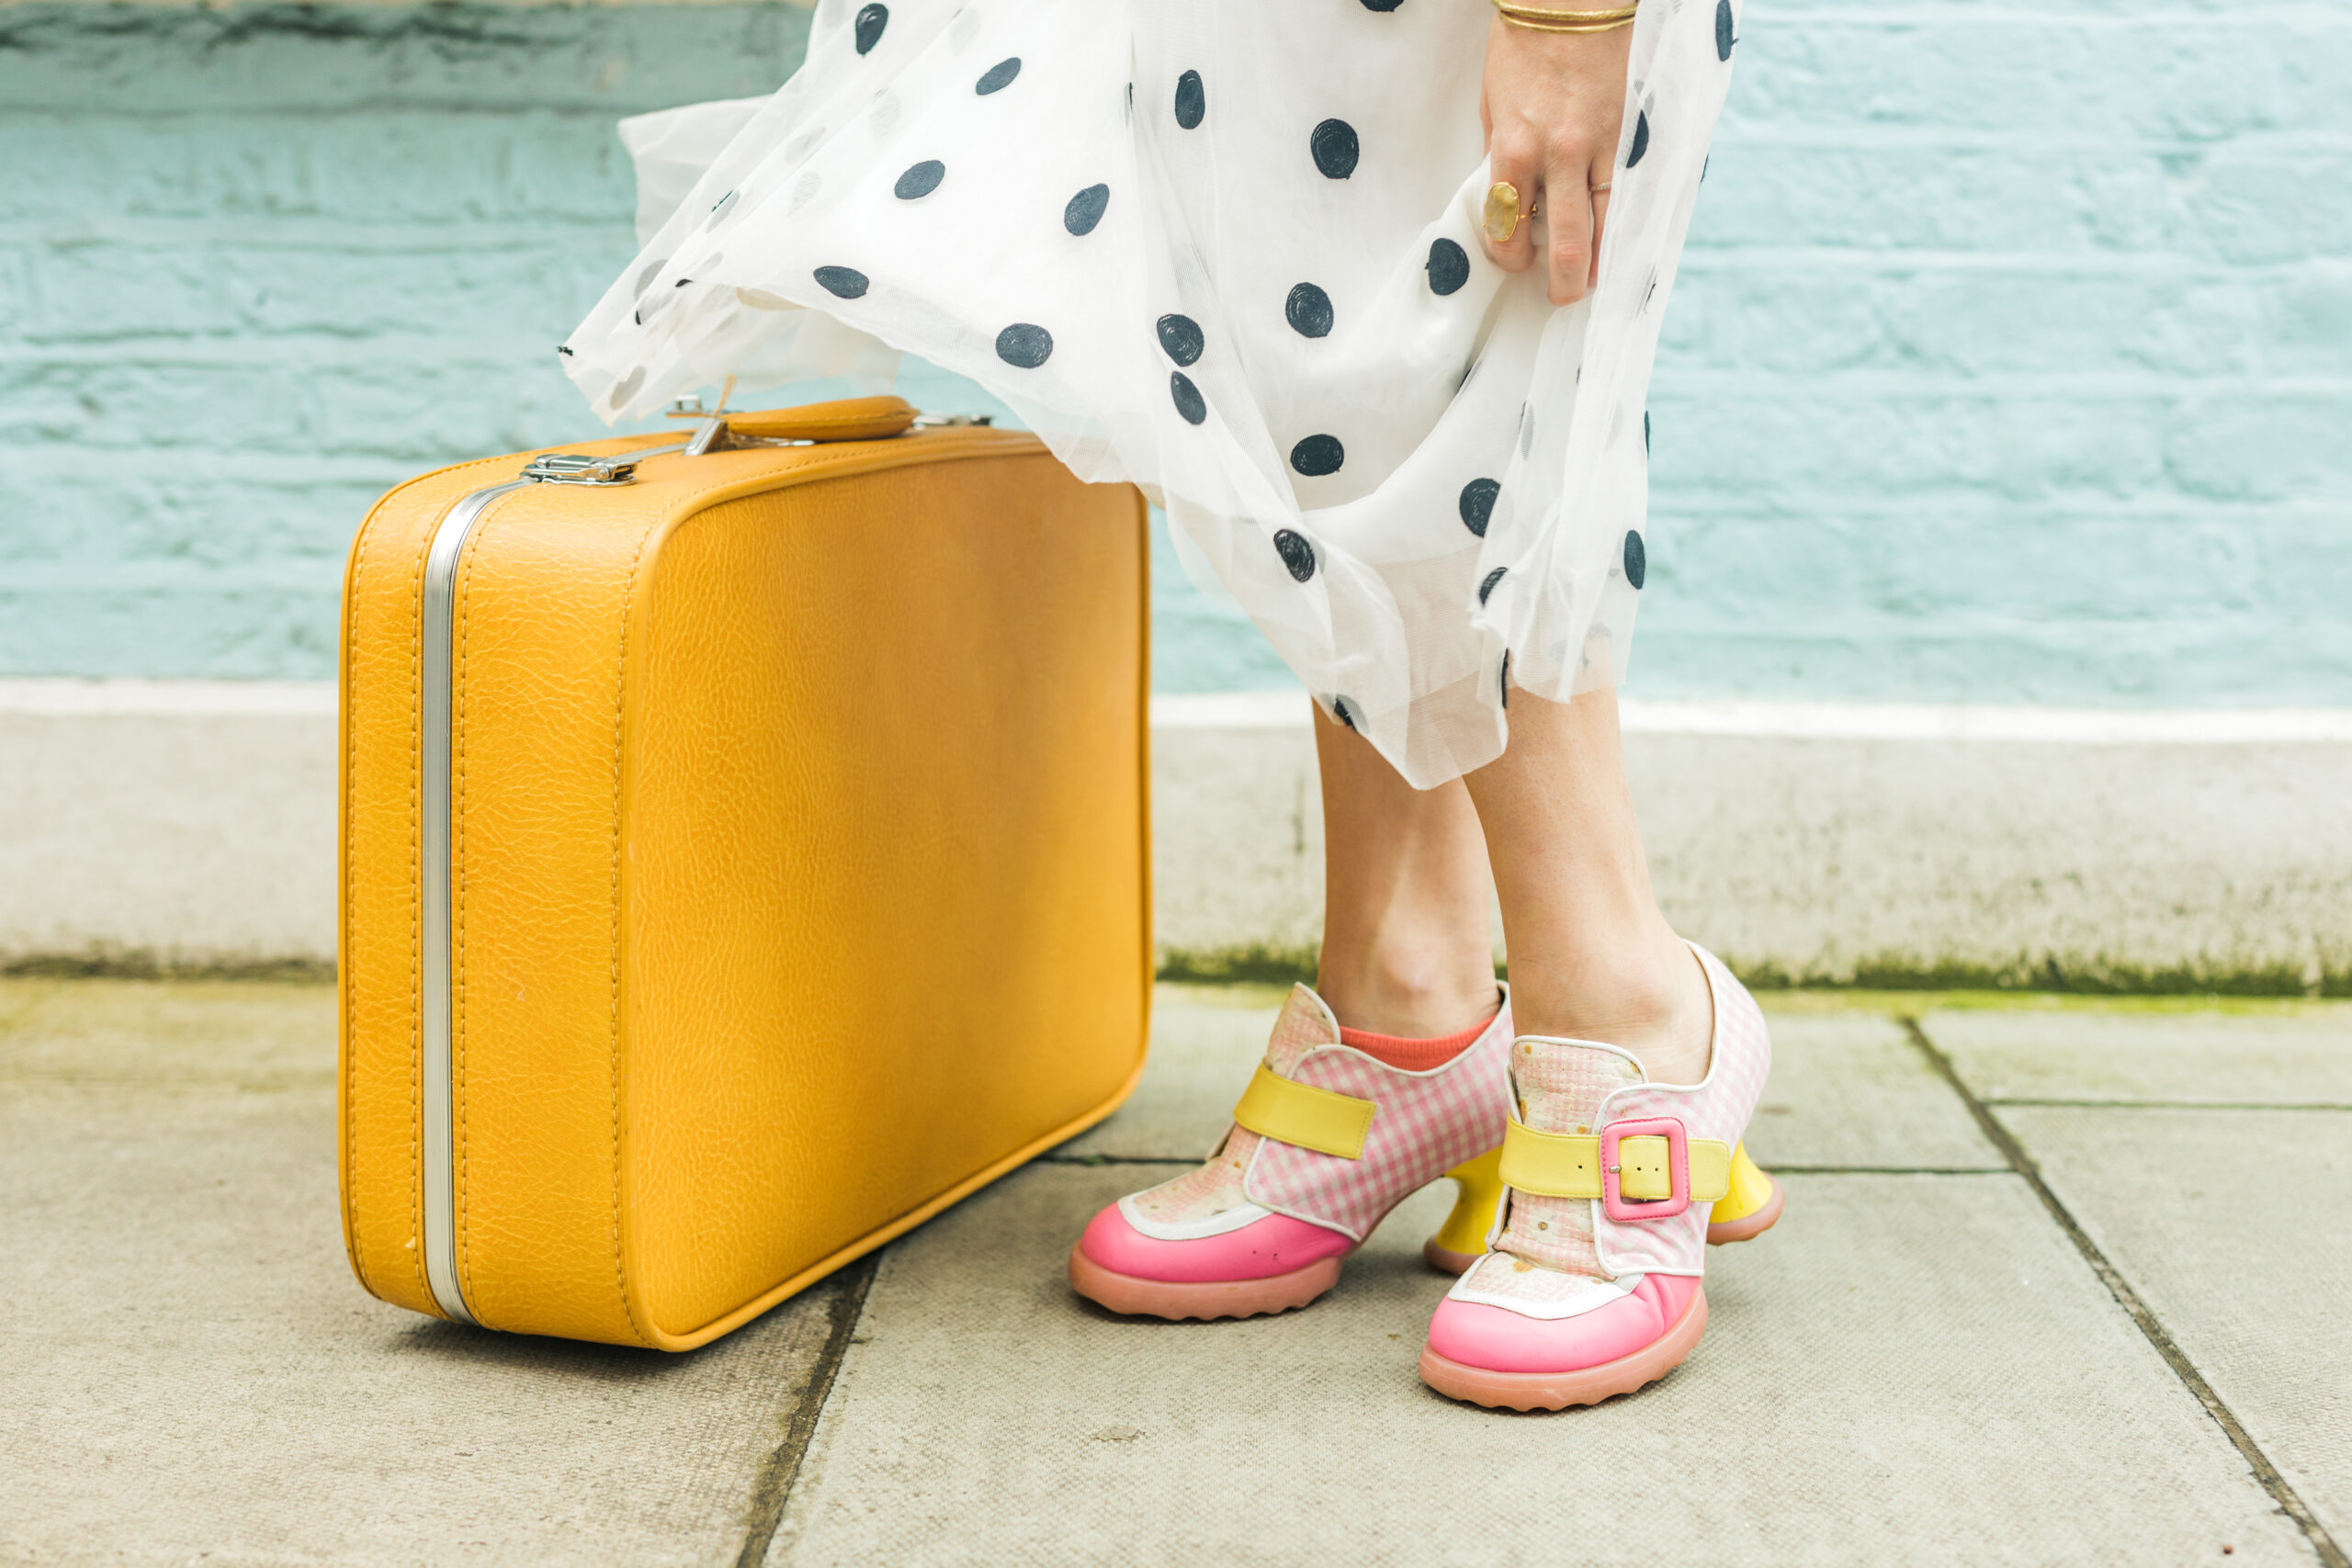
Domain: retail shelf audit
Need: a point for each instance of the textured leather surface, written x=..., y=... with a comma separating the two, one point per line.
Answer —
x=801, y=873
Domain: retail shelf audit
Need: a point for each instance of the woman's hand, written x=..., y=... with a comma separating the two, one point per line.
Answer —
x=1553, y=105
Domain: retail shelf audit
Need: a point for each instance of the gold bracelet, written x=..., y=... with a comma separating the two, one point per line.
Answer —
x=1541, y=20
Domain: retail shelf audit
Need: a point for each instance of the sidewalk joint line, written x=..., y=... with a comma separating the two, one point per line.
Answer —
x=2034, y=1103
x=772, y=1490
x=1776, y=1168
x=1114, y=1159
x=2282, y=1491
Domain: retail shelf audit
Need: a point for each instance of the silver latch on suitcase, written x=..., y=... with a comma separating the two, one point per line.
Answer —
x=579, y=468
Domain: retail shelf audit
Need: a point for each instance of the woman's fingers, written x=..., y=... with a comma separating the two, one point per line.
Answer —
x=1569, y=228
x=1510, y=235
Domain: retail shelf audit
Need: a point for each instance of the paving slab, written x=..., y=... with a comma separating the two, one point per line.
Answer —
x=2228, y=1224
x=1850, y=1089
x=188, y=1371
x=2295, y=1054
x=1205, y=1041
x=1909, y=1369
x=252, y=1034
x=1847, y=1088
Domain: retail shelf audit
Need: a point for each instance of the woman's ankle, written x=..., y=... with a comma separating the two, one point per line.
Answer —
x=1409, y=1004
x=1653, y=1001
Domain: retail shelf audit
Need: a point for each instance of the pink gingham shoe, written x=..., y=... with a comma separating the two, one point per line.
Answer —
x=1327, y=1140
x=1590, y=1285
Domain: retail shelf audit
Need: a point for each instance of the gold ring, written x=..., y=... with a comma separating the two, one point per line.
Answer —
x=1602, y=188
x=1501, y=217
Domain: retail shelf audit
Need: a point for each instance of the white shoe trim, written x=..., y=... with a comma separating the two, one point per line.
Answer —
x=1602, y=1293
x=1219, y=1223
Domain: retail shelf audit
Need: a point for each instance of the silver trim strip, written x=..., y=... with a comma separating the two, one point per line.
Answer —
x=434, y=713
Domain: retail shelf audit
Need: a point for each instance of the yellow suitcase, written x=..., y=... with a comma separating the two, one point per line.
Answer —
x=744, y=857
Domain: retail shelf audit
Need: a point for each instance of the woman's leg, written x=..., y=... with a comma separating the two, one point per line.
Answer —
x=1592, y=957
x=1406, y=897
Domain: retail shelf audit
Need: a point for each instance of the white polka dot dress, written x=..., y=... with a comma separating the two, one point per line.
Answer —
x=1229, y=250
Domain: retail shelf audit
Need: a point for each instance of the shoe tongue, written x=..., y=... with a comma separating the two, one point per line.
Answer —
x=1561, y=1083
x=1306, y=1025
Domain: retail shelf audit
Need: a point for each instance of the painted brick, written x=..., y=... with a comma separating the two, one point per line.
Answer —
x=2060, y=73
x=2009, y=360
x=612, y=60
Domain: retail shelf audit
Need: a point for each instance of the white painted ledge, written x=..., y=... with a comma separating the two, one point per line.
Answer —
x=194, y=821
x=1856, y=721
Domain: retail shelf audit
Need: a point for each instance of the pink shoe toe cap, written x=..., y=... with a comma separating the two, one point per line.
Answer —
x=1475, y=1334
x=1260, y=1250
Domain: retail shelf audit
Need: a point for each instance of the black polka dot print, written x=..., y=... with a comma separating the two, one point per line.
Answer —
x=1335, y=149
x=1189, y=402
x=1309, y=310
x=1387, y=608
x=1086, y=208
x=1181, y=337
x=1296, y=553
x=1317, y=455
x=919, y=180
x=1448, y=266
x=1024, y=345
x=1191, y=100
x=1477, y=504
x=841, y=282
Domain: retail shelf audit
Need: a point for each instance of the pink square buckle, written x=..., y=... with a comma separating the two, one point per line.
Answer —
x=1678, y=1164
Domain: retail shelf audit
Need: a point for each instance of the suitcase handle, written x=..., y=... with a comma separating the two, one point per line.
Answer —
x=851, y=418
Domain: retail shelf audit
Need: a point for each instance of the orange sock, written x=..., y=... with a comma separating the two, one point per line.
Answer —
x=1415, y=1056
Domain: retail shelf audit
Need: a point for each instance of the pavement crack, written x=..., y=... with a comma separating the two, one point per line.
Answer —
x=2282, y=1491
x=1113, y=1159
x=772, y=1490
x=1776, y=1168
x=2034, y=1102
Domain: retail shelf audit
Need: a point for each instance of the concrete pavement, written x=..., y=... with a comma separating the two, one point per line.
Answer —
x=2058, y=1284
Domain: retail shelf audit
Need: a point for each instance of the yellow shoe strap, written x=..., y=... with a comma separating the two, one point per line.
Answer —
x=1567, y=1165
x=1308, y=1117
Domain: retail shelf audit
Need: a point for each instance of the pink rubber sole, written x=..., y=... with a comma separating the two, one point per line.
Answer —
x=1586, y=1385
x=1177, y=1300
x=1749, y=1227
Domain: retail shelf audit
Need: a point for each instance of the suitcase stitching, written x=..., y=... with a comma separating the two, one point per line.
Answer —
x=350, y=1121
x=416, y=942
x=621, y=707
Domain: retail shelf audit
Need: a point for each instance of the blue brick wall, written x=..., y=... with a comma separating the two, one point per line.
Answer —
x=2011, y=360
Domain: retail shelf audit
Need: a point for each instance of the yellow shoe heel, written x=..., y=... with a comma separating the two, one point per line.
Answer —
x=1477, y=1192
x=1751, y=1207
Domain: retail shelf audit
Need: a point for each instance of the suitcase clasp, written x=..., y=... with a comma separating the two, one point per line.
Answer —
x=580, y=469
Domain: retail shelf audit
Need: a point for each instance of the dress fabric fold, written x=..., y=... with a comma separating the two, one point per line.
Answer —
x=1228, y=251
